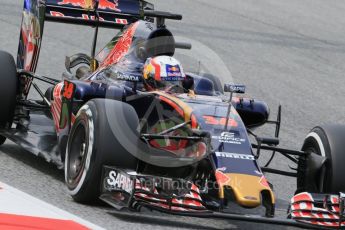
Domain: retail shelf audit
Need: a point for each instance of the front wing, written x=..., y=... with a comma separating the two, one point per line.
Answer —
x=125, y=189
x=325, y=210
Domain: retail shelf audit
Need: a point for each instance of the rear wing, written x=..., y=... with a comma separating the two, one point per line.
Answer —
x=112, y=13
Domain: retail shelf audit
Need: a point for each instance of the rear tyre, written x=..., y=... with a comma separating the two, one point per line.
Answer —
x=8, y=90
x=92, y=144
x=326, y=141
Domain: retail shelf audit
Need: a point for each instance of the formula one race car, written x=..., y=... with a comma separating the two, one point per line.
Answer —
x=183, y=150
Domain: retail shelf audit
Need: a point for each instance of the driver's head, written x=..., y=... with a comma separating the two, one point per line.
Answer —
x=162, y=72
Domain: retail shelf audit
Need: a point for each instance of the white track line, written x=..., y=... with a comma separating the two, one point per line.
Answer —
x=14, y=201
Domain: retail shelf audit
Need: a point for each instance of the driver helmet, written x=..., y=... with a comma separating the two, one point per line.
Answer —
x=162, y=72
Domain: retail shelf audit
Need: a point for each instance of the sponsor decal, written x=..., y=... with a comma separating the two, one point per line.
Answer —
x=108, y=4
x=78, y=3
x=121, y=21
x=121, y=47
x=235, y=88
x=172, y=78
x=66, y=106
x=222, y=169
x=229, y=137
x=235, y=156
x=87, y=17
x=30, y=39
x=119, y=181
x=125, y=77
x=68, y=90
x=211, y=120
x=173, y=68
x=103, y=4
x=173, y=71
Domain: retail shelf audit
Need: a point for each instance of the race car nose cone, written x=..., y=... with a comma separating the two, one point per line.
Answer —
x=247, y=189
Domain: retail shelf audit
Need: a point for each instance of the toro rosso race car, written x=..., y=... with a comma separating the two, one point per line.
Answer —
x=185, y=150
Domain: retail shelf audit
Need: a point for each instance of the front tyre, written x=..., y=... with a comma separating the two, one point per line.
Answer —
x=92, y=144
x=328, y=142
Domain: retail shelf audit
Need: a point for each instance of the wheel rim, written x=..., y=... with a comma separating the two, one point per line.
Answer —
x=77, y=153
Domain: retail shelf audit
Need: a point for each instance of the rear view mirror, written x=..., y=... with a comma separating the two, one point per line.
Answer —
x=234, y=88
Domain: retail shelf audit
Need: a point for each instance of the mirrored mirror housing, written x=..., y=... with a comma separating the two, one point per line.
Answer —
x=234, y=88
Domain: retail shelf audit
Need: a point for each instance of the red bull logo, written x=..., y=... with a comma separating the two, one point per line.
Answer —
x=173, y=69
x=108, y=4
x=87, y=4
x=77, y=3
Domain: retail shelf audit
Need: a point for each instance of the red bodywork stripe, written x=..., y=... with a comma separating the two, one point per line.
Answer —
x=194, y=121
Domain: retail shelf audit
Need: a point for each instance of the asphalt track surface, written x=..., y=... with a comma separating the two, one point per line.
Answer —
x=286, y=52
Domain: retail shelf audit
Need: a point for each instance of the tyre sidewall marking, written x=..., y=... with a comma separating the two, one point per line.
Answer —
x=319, y=142
x=85, y=109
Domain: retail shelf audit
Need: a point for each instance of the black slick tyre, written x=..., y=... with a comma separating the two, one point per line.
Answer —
x=92, y=144
x=8, y=90
x=326, y=141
